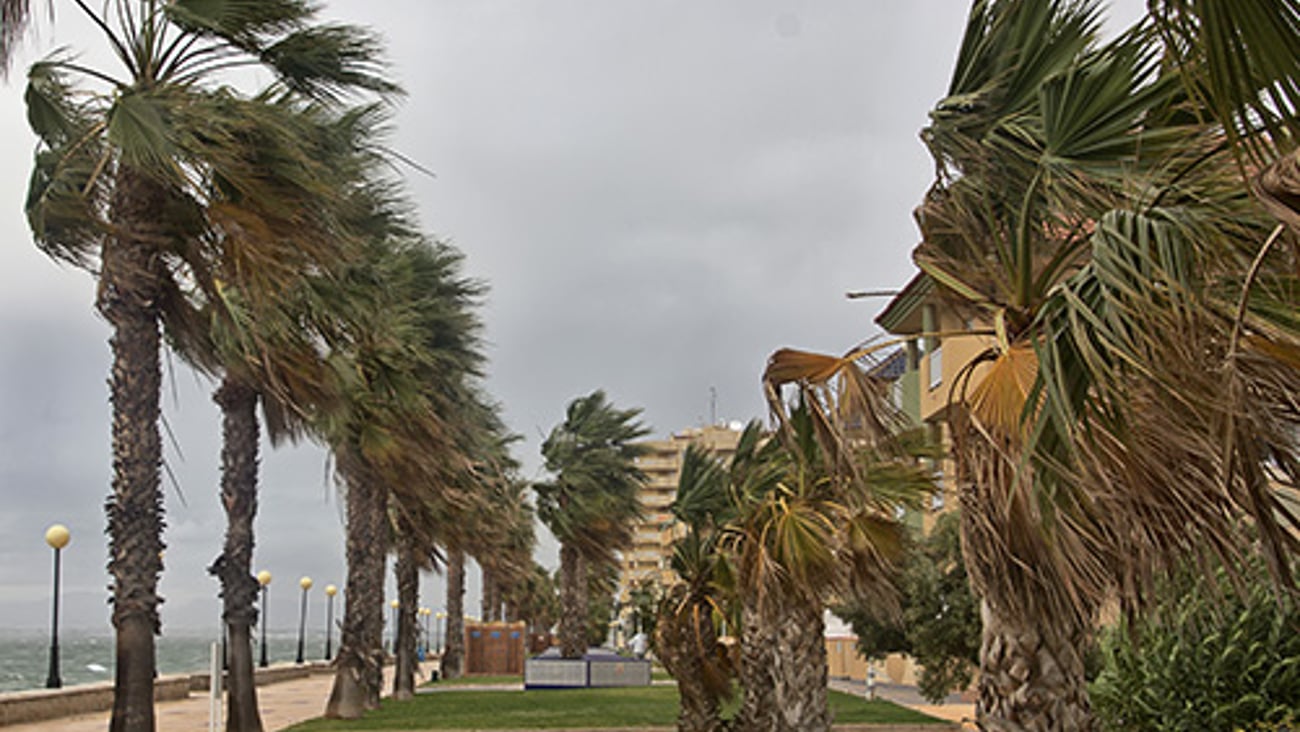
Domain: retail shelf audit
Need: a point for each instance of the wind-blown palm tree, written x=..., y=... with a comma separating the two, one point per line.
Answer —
x=142, y=177
x=1132, y=409
x=410, y=353
x=686, y=635
x=592, y=501
x=807, y=525
x=269, y=353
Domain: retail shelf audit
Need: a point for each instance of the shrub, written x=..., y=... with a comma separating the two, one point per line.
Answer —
x=1207, y=658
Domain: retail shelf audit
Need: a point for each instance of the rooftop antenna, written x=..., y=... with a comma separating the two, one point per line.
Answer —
x=713, y=406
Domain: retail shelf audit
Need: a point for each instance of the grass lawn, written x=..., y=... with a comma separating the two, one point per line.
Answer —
x=550, y=709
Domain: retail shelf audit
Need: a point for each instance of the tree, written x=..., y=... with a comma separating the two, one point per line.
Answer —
x=939, y=626
x=142, y=178
x=409, y=352
x=1092, y=208
x=267, y=353
x=592, y=501
x=489, y=524
x=802, y=533
x=686, y=634
x=534, y=600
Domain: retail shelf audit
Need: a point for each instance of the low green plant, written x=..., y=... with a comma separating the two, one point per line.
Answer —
x=1208, y=657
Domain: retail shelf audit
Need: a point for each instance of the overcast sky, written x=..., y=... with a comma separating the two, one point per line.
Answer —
x=659, y=193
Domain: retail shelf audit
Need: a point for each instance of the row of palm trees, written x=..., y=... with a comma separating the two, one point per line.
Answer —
x=1121, y=214
x=262, y=237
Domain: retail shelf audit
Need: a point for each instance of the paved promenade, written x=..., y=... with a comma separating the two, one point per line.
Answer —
x=954, y=708
x=283, y=704
x=286, y=703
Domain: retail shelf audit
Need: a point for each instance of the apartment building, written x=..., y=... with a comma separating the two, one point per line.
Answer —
x=646, y=563
x=942, y=341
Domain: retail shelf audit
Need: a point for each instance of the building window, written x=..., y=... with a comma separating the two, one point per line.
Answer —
x=935, y=359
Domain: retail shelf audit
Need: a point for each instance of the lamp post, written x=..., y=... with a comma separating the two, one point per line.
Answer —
x=438, y=631
x=330, y=592
x=263, y=579
x=57, y=536
x=305, y=584
x=395, y=604
x=428, y=639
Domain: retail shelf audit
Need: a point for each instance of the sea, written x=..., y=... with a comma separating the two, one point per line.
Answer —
x=87, y=656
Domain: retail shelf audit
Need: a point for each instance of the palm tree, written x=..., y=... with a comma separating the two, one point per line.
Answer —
x=593, y=500
x=1132, y=409
x=533, y=600
x=473, y=526
x=412, y=557
x=143, y=178
x=268, y=353
x=505, y=551
x=809, y=525
x=453, y=653
x=686, y=636
x=396, y=438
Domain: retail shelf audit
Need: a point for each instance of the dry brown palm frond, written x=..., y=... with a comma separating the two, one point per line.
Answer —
x=998, y=399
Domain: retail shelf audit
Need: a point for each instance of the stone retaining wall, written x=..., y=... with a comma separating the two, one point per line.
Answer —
x=36, y=705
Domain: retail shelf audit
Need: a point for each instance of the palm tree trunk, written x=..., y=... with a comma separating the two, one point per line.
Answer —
x=453, y=656
x=758, y=710
x=494, y=599
x=799, y=666
x=354, y=681
x=573, y=601
x=408, y=599
x=488, y=581
x=1031, y=676
x=682, y=641
x=233, y=568
x=128, y=297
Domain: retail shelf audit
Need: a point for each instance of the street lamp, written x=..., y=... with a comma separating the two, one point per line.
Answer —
x=305, y=584
x=426, y=613
x=57, y=536
x=330, y=592
x=395, y=604
x=263, y=579
x=437, y=629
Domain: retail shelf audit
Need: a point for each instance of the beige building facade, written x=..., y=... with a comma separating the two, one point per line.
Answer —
x=646, y=564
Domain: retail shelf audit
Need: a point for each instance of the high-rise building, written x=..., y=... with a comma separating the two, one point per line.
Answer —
x=646, y=563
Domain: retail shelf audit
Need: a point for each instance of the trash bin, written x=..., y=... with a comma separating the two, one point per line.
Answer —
x=433, y=675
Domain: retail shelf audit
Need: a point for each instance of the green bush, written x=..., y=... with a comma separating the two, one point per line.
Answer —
x=940, y=623
x=1206, y=658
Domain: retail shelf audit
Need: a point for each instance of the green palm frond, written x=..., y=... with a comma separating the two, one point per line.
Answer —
x=324, y=61
x=593, y=499
x=1239, y=62
x=14, y=16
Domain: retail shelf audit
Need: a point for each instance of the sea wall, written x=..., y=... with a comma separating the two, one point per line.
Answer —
x=39, y=704
x=35, y=705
